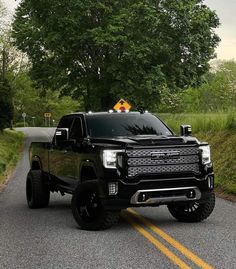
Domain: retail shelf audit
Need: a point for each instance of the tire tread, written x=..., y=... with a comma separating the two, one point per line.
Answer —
x=204, y=211
x=40, y=194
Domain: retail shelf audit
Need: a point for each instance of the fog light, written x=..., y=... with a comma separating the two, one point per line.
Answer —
x=191, y=194
x=211, y=182
x=113, y=188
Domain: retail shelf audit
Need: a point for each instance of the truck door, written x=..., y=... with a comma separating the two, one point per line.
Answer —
x=77, y=134
x=62, y=159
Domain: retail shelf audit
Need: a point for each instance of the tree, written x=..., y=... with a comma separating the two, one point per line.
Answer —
x=6, y=105
x=216, y=93
x=33, y=102
x=104, y=49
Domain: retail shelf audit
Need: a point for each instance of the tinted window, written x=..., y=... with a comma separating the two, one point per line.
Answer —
x=65, y=123
x=122, y=124
x=76, y=130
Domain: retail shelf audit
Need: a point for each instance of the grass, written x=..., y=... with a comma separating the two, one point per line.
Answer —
x=10, y=148
x=202, y=122
x=219, y=130
x=223, y=148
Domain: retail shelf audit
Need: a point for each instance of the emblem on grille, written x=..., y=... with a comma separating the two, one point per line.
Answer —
x=165, y=155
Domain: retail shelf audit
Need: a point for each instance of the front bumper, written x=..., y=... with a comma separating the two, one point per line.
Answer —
x=159, y=192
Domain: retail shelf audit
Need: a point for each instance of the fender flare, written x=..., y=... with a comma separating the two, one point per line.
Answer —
x=87, y=165
x=100, y=187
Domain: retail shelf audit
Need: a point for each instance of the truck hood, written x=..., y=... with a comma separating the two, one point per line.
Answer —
x=145, y=140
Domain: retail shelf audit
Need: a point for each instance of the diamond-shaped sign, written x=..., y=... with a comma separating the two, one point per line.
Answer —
x=122, y=105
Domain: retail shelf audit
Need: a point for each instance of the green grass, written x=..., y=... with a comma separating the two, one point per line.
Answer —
x=219, y=130
x=223, y=148
x=202, y=122
x=10, y=147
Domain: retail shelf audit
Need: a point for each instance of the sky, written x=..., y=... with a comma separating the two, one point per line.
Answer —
x=225, y=9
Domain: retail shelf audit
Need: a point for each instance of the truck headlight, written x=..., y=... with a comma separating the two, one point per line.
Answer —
x=206, y=154
x=109, y=158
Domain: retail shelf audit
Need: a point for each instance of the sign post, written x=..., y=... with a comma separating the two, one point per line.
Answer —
x=33, y=118
x=47, y=116
x=24, y=116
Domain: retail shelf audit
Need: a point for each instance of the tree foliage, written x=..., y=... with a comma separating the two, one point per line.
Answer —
x=34, y=102
x=217, y=93
x=104, y=49
x=6, y=105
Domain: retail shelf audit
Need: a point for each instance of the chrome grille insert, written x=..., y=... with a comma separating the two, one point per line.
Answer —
x=149, y=152
x=162, y=161
x=150, y=161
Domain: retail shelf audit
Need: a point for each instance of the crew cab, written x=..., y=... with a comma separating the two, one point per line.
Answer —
x=110, y=161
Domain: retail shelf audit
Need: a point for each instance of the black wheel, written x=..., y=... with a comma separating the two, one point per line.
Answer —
x=193, y=211
x=88, y=210
x=37, y=193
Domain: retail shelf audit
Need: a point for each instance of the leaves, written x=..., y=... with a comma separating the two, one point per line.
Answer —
x=103, y=50
x=217, y=93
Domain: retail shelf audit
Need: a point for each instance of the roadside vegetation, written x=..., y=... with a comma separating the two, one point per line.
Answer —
x=11, y=143
x=202, y=122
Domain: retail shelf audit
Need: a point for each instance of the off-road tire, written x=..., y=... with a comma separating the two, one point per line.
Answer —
x=194, y=211
x=37, y=192
x=88, y=210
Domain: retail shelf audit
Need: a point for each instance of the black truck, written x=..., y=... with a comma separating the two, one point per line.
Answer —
x=110, y=161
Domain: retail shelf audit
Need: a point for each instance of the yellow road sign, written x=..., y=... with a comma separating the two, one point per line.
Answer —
x=47, y=115
x=122, y=105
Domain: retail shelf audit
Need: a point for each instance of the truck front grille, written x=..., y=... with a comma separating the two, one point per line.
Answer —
x=162, y=161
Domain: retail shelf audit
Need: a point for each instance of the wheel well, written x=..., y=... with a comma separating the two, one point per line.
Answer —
x=35, y=165
x=88, y=173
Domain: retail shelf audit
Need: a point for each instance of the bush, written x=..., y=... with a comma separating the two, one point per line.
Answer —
x=21, y=124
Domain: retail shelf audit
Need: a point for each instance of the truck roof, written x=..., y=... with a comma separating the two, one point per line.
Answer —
x=108, y=112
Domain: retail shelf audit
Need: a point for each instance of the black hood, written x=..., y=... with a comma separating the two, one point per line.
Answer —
x=146, y=140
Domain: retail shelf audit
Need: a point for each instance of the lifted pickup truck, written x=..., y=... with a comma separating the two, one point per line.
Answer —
x=110, y=161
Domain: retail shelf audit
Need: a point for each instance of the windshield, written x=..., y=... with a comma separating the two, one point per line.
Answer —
x=125, y=124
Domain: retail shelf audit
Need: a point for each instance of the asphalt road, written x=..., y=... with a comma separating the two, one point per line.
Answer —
x=49, y=238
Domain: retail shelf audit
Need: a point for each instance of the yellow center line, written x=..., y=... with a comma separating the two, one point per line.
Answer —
x=187, y=253
x=155, y=242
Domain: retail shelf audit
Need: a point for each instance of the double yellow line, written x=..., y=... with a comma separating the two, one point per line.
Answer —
x=136, y=221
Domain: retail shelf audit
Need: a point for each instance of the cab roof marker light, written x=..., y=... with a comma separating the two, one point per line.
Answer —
x=146, y=111
x=126, y=111
x=119, y=111
x=110, y=111
x=90, y=112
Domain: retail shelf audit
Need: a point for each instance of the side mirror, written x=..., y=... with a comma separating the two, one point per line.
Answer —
x=61, y=135
x=62, y=138
x=186, y=130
